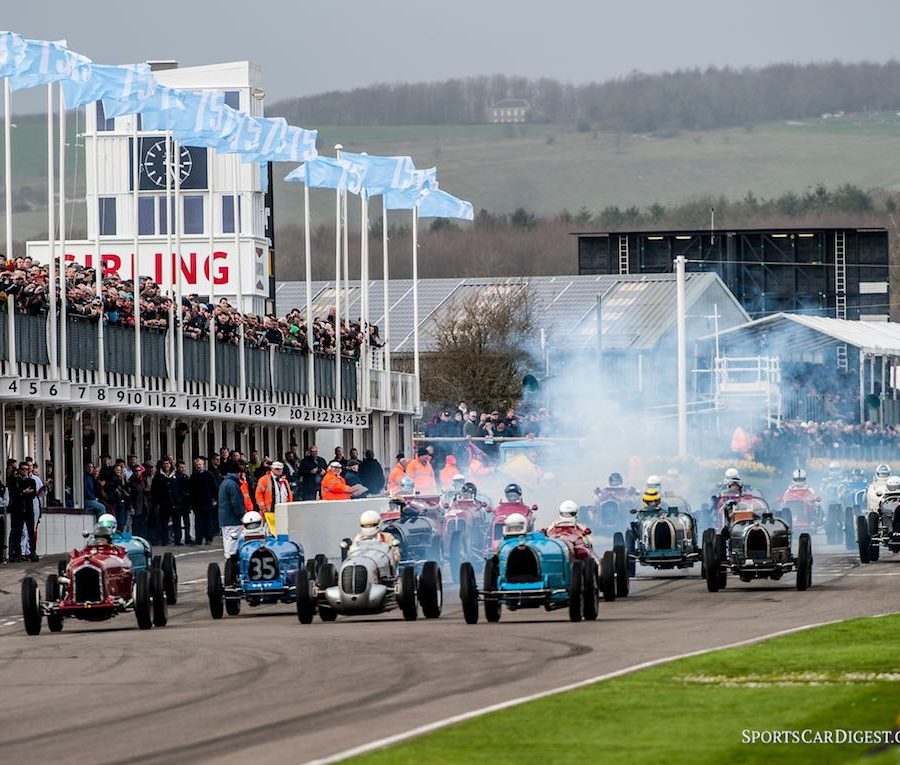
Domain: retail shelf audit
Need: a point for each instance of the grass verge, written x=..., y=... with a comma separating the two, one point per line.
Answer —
x=697, y=710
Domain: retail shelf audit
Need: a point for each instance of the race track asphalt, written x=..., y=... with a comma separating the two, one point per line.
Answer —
x=261, y=685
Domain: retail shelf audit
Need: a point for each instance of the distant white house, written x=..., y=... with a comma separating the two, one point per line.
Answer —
x=509, y=110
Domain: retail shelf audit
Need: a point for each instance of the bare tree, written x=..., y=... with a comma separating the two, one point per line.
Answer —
x=482, y=345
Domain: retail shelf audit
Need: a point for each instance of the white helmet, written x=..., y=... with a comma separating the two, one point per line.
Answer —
x=458, y=480
x=882, y=471
x=799, y=475
x=369, y=522
x=732, y=474
x=253, y=524
x=568, y=511
x=653, y=482
x=892, y=485
x=515, y=525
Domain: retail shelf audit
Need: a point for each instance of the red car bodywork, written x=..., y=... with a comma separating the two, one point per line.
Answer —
x=745, y=503
x=805, y=507
x=83, y=597
x=470, y=517
x=501, y=513
x=579, y=548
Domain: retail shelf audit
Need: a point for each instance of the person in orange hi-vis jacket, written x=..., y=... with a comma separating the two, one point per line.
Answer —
x=450, y=469
x=396, y=474
x=273, y=488
x=335, y=487
x=422, y=473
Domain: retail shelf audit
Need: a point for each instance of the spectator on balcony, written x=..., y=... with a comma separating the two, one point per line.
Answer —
x=312, y=469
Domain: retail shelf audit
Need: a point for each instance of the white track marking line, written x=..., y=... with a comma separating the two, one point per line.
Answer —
x=429, y=727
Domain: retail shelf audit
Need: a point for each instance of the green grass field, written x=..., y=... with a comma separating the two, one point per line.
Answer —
x=696, y=710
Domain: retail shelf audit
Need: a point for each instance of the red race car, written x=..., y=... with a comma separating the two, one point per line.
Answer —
x=580, y=549
x=466, y=528
x=98, y=584
x=501, y=513
x=801, y=507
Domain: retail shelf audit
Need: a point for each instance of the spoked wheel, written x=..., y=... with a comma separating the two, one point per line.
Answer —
x=712, y=564
x=608, y=576
x=170, y=578
x=31, y=606
x=722, y=555
x=621, y=570
x=431, y=590
x=51, y=595
x=306, y=605
x=407, y=598
x=708, y=535
x=143, y=607
x=576, y=590
x=232, y=578
x=159, y=607
x=468, y=593
x=863, y=539
x=804, y=563
x=590, y=606
x=492, y=606
x=215, y=592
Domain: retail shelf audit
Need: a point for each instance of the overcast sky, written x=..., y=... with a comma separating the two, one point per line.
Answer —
x=340, y=44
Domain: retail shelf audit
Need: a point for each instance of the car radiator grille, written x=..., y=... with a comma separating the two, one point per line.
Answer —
x=88, y=588
x=354, y=579
x=662, y=536
x=756, y=546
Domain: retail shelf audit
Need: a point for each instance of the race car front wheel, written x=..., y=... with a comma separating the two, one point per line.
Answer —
x=431, y=590
x=608, y=576
x=306, y=605
x=51, y=595
x=31, y=606
x=804, y=563
x=492, y=606
x=142, y=605
x=576, y=589
x=590, y=606
x=214, y=591
x=863, y=540
x=468, y=593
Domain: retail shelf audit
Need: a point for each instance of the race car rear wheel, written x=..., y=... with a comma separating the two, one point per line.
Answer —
x=621, y=570
x=468, y=593
x=631, y=550
x=232, y=578
x=804, y=563
x=608, y=576
x=863, y=539
x=311, y=570
x=306, y=605
x=214, y=591
x=874, y=548
x=833, y=525
x=142, y=606
x=618, y=539
x=576, y=590
x=722, y=555
x=327, y=576
x=170, y=578
x=849, y=528
x=708, y=535
x=590, y=606
x=319, y=561
x=51, y=595
x=431, y=591
x=31, y=606
x=155, y=562
x=407, y=598
x=159, y=606
x=492, y=606
x=713, y=565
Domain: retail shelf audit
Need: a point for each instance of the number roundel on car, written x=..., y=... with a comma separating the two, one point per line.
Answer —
x=263, y=566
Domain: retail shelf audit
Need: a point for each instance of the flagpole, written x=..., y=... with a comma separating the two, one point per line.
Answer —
x=7, y=133
x=415, y=279
x=136, y=258
x=337, y=289
x=63, y=329
x=98, y=265
x=179, y=312
x=51, y=239
x=310, y=332
x=384, y=277
x=242, y=367
x=364, y=297
x=170, y=344
x=210, y=167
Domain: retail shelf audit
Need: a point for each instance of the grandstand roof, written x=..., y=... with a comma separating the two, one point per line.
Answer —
x=638, y=310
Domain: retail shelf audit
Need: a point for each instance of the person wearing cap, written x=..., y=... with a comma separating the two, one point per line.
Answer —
x=273, y=488
x=351, y=473
x=335, y=487
x=312, y=469
x=421, y=472
x=397, y=473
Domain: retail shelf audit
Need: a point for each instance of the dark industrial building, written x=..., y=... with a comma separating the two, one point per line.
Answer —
x=840, y=273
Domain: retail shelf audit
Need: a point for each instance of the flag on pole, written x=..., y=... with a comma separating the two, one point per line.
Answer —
x=133, y=94
x=328, y=173
x=44, y=62
x=299, y=146
x=12, y=53
x=165, y=108
x=246, y=136
x=93, y=82
x=424, y=181
x=439, y=204
x=383, y=173
x=209, y=121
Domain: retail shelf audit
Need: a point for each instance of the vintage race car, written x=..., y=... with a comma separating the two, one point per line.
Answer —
x=875, y=530
x=501, y=513
x=417, y=524
x=532, y=571
x=851, y=496
x=609, y=512
x=98, y=583
x=466, y=528
x=754, y=545
x=663, y=538
x=804, y=507
x=263, y=571
x=368, y=582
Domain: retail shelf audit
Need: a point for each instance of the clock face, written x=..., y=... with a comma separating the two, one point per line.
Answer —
x=154, y=163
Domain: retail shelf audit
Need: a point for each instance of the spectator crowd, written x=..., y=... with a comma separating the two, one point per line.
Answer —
x=28, y=282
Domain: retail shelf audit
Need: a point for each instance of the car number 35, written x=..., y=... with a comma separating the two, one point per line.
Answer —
x=262, y=569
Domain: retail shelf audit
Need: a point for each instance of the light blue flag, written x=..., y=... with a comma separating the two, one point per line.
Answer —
x=12, y=53
x=299, y=145
x=211, y=121
x=45, y=62
x=134, y=93
x=328, y=173
x=272, y=132
x=384, y=173
x=402, y=199
x=166, y=108
x=246, y=136
x=93, y=82
x=440, y=204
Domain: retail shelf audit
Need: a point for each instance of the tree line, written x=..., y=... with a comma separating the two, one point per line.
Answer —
x=688, y=99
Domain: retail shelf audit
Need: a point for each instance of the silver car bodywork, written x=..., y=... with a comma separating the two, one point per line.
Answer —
x=367, y=580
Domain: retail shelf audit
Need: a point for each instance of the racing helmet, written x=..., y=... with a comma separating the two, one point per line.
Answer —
x=882, y=471
x=799, y=475
x=615, y=479
x=732, y=474
x=406, y=485
x=469, y=490
x=834, y=466
x=892, y=485
x=654, y=482
x=568, y=511
x=458, y=480
x=735, y=485
x=651, y=497
x=515, y=525
x=368, y=523
x=513, y=492
x=107, y=521
x=254, y=525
